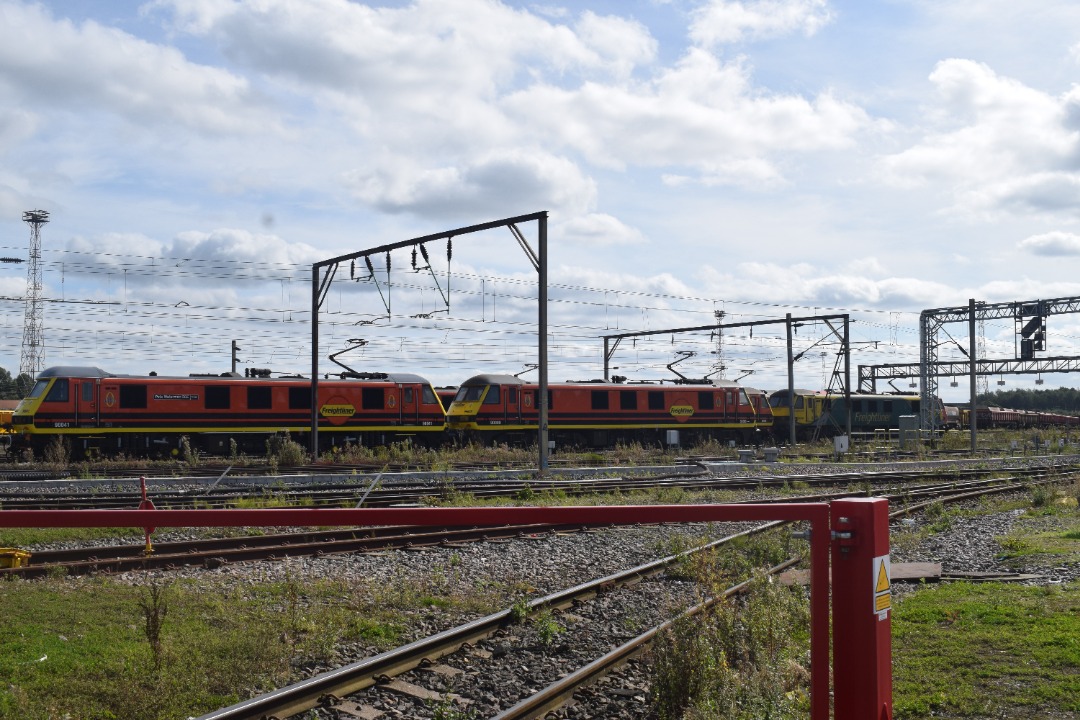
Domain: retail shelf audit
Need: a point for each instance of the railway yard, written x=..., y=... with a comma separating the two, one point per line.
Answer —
x=455, y=623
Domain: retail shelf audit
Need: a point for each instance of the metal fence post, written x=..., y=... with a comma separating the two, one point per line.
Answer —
x=862, y=610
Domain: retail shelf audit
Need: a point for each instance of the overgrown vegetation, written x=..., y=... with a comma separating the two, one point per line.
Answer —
x=745, y=658
x=99, y=648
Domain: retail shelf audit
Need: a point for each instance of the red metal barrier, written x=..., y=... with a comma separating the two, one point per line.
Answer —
x=858, y=538
x=862, y=609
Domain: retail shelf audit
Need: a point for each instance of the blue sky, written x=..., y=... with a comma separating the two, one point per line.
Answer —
x=752, y=158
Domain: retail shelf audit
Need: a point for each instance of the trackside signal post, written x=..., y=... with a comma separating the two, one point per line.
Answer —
x=853, y=533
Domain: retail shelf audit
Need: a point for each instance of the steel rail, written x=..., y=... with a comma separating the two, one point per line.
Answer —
x=304, y=695
x=557, y=694
x=219, y=551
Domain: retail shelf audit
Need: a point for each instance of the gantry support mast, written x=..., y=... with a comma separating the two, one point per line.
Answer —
x=33, y=342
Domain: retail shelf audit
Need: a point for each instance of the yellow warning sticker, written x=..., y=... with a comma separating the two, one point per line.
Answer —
x=882, y=580
x=882, y=587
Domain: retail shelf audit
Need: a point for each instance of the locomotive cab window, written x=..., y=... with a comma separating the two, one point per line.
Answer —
x=217, y=397
x=258, y=398
x=299, y=398
x=627, y=400
x=599, y=400
x=407, y=396
x=511, y=395
x=88, y=392
x=39, y=387
x=133, y=396
x=469, y=393
x=372, y=398
x=58, y=392
x=492, y=397
x=428, y=396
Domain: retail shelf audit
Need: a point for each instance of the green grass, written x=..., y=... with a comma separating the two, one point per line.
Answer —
x=25, y=537
x=986, y=650
x=82, y=648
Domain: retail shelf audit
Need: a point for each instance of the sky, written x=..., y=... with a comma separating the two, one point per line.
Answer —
x=698, y=160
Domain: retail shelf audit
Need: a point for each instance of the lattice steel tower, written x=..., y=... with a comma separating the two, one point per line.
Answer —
x=33, y=342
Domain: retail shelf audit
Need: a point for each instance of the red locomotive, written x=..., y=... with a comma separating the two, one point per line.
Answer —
x=99, y=412
x=503, y=408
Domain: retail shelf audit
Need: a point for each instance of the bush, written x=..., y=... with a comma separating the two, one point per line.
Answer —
x=744, y=658
x=281, y=449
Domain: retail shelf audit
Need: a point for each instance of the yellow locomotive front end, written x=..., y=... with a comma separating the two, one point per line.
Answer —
x=23, y=420
x=465, y=407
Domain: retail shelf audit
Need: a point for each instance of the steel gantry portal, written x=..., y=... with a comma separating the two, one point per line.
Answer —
x=843, y=381
x=1030, y=320
x=323, y=272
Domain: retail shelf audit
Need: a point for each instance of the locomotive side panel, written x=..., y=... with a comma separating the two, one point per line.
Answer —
x=494, y=408
x=99, y=412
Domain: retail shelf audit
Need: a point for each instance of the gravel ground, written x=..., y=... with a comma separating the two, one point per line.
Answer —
x=971, y=544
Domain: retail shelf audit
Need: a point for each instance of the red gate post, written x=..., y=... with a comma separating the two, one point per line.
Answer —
x=862, y=607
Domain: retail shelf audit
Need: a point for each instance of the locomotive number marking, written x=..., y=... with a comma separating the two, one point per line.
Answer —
x=62, y=424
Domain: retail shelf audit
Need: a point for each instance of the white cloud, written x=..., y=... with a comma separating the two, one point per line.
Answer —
x=620, y=45
x=598, y=229
x=700, y=113
x=523, y=181
x=853, y=288
x=730, y=21
x=999, y=145
x=90, y=68
x=444, y=47
x=1052, y=244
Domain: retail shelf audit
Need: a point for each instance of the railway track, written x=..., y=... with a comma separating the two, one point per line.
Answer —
x=215, y=552
x=387, y=490
x=332, y=690
x=300, y=697
x=911, y=495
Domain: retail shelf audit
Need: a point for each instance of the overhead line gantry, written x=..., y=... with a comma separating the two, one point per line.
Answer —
x=611, y=343
x=320, y=286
